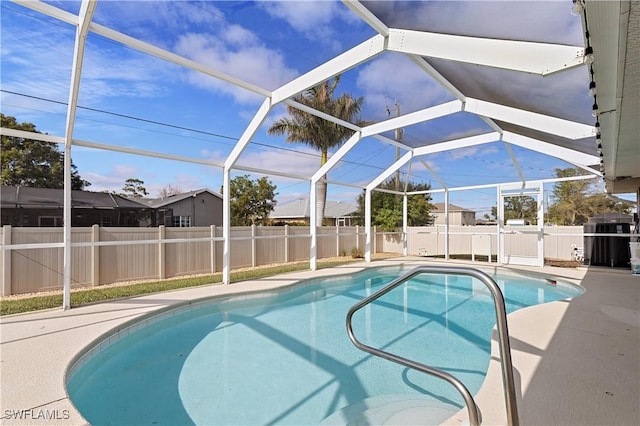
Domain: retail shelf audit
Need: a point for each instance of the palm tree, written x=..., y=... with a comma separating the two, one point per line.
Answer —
x=318, y=133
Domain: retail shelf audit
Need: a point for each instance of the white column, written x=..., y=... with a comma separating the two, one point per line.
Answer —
x=540, y=200
x=313, y=251
x=500, y=221
x=405, y=224
x=226, y=226
x=446, y=224
x=87, y=8
x=367, y=225
x=66, y=231
x=244, y=140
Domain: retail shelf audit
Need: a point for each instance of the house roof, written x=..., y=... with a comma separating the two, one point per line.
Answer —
x=299, y=209
x=165, y=201
x=17, y=196
x=439, y=207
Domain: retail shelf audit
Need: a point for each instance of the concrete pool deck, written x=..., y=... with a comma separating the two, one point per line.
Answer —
x=576, y=362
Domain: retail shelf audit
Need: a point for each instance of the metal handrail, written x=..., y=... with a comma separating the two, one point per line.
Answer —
x=503, y=340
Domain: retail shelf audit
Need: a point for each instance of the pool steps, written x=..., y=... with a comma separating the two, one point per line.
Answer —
x=394, y=409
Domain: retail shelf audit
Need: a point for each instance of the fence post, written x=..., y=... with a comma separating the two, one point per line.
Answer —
x=6, y=261
x=375, y=240
x=95, y=256
x=213, y=249
x=337, y=241
x=253, y=246
x=286, y=244
x=489, y=237
x=357, y=237
x=161, y=269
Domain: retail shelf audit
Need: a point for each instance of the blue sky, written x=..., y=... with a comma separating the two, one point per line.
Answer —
x=132, y=99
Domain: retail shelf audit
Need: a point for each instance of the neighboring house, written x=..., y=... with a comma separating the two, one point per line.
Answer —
x=33, y=207
x=296, y=212
x=457, y=215
x=202, y=207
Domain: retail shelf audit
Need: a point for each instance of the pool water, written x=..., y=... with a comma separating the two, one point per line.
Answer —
x=284, y=357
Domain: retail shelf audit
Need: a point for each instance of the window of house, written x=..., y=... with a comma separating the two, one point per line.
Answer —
x=50, y=221
x=105, y=220
x=181, y=221
x=343, y=221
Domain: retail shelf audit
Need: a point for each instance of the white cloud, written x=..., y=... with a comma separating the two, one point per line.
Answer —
x=216, y=156
x=301, y=164
x=113, y=180
x=313, y=19
x=235, y=34
x=181, y=182
x=36, y=61
x=390, y=78
x=418, y=166
x=471, y=151
x=39, y=63
x=125, y=170
x=252, y=63
x=40, y=57
x=291, y=196
x=135, y=17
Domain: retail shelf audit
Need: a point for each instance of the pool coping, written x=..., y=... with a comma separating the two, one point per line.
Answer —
x=36, y=349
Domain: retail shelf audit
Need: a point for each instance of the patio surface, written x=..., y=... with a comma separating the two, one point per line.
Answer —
x=576, y=362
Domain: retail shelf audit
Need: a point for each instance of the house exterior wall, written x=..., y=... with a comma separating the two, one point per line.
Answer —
x=455, y=218
x=204, y=209
x=468, y=218
x=463, y=218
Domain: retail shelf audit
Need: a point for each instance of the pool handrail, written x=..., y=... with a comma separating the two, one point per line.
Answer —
x=503, y=340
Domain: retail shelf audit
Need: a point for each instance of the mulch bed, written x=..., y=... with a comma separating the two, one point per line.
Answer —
x=563, y=263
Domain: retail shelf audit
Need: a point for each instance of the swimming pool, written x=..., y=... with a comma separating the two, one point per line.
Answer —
x=284, y=357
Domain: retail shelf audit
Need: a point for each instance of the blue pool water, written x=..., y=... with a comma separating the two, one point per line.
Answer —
x=285, y=358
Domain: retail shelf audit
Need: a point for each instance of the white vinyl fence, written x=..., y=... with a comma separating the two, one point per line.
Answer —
x=110, y=255
x=105, y=255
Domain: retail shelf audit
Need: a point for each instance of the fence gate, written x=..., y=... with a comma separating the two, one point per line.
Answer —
x=521, y=243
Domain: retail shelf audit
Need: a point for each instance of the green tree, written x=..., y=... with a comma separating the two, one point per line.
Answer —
x=386, y=208
x=134, y=188
x=251, y=201
x=521, y=207
x=318, y=133
x=493, y=215
x=569, y=207
x=576, y=201
x=30, y=163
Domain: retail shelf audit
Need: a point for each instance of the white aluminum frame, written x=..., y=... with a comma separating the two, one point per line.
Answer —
x=538, y=58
